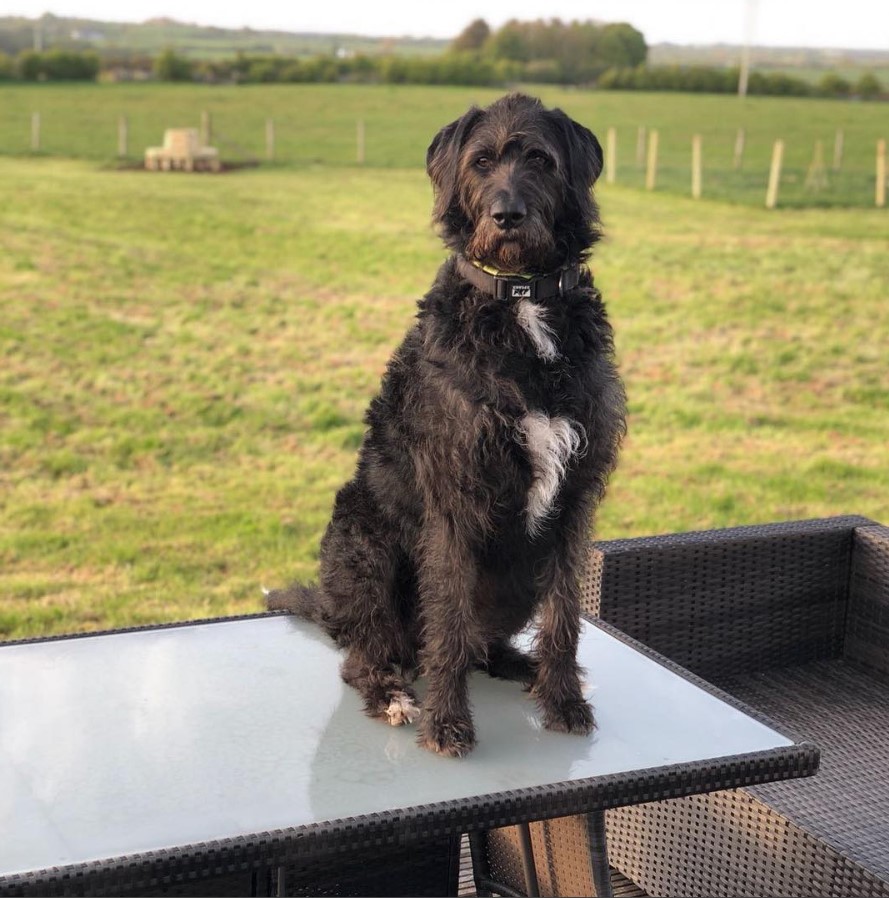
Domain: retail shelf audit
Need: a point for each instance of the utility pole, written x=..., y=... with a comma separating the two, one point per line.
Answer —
x=749, y=27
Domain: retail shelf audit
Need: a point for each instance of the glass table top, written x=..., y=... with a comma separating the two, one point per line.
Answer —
x=123, y=743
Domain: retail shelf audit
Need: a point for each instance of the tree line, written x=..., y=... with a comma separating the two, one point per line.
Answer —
x=710, y=79
x=607, y=56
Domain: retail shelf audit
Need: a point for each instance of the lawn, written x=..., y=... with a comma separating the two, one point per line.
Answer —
x=185, y=360
x=318, y=124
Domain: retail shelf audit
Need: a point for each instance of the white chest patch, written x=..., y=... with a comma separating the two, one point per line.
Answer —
x=550, y=442
x=532, y=318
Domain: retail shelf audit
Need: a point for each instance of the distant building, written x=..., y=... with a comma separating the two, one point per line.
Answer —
x=87, y=36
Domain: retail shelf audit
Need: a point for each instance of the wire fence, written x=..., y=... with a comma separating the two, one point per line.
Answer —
x=725, y=164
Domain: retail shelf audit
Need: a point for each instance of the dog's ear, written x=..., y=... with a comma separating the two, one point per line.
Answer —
x=443, y=156
x=583, y=152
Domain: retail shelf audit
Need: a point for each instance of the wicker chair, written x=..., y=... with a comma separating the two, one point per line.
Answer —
x=793, y=620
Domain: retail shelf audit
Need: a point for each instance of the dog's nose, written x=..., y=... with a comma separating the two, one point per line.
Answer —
x=508, y=212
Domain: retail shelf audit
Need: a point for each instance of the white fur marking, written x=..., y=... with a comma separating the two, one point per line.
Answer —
x=402, y=709
x=550, y=443
x=533, y=319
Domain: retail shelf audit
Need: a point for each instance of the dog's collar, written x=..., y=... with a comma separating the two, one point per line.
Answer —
x=519, y=286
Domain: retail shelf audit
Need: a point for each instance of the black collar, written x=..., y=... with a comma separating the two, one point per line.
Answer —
x=518, y=286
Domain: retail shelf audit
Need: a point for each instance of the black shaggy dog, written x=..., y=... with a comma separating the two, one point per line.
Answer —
x=489, y=445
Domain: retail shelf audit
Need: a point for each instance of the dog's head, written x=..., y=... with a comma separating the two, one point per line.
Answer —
x=513, y=185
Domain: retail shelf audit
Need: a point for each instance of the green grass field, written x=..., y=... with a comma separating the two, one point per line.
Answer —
x=317, y=124
x=185, y=360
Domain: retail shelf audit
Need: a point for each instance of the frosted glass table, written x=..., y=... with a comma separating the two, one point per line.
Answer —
x=135, y=759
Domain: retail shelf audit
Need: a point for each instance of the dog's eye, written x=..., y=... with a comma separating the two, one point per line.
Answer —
x=483, y=163
x=536, y=157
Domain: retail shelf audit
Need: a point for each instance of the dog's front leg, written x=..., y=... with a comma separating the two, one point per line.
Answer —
x=557, y=687
x=451, y=640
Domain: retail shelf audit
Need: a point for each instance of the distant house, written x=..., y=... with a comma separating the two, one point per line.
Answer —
x=87, y=36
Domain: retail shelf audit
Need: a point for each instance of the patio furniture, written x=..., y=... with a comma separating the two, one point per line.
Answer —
x=228, y=757
x=182, y=149
x=793, y=620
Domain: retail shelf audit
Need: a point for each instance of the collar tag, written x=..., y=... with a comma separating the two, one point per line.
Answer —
x=521, y=291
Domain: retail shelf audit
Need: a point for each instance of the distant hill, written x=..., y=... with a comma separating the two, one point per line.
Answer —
x=196, y=41
x=805, y=62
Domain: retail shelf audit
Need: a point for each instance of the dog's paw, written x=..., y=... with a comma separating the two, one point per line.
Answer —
x=570, y=717
x=402, y=709
x=452, y=738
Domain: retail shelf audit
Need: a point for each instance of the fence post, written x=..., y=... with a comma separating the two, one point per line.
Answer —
x=740, y=140
x=270, y=139
x=696, y=166
x=838, y=141
x=122, y=136
x=360, y=138
x=641, y=135
x=206, y=129
x=816, y=176
x=651, y=169
x=35, y=132
x=611, y=156
x=880, y=192
x=775, y=174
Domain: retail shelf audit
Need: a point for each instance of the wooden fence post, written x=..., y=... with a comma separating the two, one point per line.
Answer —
x=641, y=136
x=270, y=139
x=206, y=129
x=816, y=176
x=651, y=168
x=122, y=136
x=611, y=156
x=740, y=140
x=838, y=142
x=880, y=192
x=360, y=138
x=775, y=174
x=696, y=166
x=35, y=132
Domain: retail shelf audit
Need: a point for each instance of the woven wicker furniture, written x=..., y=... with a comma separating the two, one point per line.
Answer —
x=227, y=757
x=793, y=620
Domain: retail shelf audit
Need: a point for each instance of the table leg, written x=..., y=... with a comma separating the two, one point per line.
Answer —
x=532, y=888
x=599, y=854
x=485, y=887
x=481, y=872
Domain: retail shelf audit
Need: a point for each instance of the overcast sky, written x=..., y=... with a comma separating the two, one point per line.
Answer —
x=803, y=23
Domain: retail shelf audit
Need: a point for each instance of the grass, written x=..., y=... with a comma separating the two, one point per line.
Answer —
x=317, y=124
x=185, y=360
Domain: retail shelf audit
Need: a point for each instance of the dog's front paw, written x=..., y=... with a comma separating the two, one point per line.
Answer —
x=573, y=716
x=402, y=709
x=451, y=738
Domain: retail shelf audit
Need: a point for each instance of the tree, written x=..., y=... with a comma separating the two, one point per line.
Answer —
x=30, y=65
x=472, y=37
x=511, y=42
x=833, y=85
x=868, y=87
x=170, y=66
x=7, y=68
x=622, y=45
x=58, y=65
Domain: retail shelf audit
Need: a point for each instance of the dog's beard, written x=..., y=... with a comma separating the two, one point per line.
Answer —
x=529, y=248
